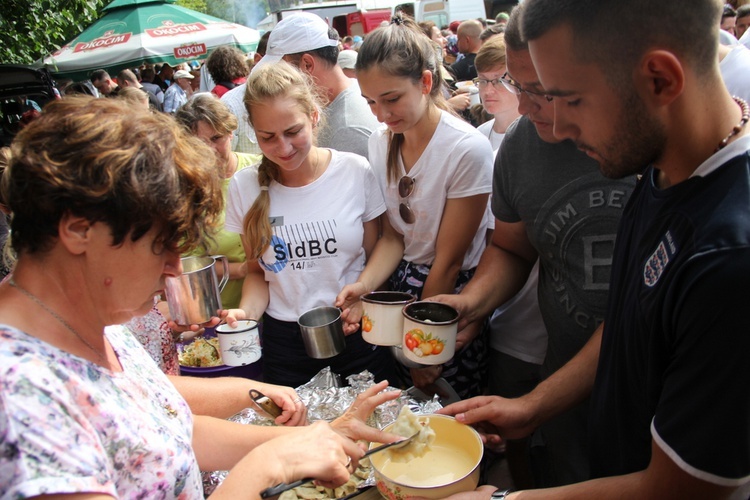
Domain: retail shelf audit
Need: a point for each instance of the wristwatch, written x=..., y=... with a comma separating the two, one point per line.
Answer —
x=501, y=494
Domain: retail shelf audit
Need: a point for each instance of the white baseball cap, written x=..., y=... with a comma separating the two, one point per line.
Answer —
x=181, y=73
x=347, y=59
x=300, y=32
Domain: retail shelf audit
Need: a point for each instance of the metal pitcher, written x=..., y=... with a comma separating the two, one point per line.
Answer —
x=193, y=297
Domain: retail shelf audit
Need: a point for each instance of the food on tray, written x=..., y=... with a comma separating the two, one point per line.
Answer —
x=201, y=352
x=312, y=492
x=408, y=424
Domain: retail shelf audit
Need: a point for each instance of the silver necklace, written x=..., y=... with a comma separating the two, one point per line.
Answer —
x=59, y=318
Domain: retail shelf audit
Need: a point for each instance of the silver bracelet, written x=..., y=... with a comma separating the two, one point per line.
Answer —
x=501, y=494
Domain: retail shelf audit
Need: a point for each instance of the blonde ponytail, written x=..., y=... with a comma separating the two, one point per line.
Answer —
x=256, y=227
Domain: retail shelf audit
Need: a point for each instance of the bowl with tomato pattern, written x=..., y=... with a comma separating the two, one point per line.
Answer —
x=429, y=335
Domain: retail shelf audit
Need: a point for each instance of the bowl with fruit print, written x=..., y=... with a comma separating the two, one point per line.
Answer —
x=429, y=333
x=382, y=321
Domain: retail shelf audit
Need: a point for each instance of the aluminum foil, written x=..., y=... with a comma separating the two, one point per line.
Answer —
x=327, y=399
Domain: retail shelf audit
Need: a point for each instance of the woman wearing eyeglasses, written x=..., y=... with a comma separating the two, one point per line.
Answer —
x=435, y=171
x=496, y=99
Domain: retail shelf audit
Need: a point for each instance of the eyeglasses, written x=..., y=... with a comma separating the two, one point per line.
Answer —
x=496, y=83
x=514, y=88
x=405, y=189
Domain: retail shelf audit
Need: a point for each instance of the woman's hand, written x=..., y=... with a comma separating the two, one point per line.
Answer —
x=352, y=423
x=314, y=451
x=294, y=411
x=232, y=316
x=460, y=100
x=348, y=301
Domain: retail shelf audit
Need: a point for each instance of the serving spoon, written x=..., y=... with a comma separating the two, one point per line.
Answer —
x=274, y=491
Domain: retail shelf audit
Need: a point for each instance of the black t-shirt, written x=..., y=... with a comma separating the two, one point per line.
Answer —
x=464, y=69
x=161, y=83
x=677, y=332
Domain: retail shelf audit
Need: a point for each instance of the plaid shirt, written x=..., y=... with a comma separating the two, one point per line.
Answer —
x=244, y=140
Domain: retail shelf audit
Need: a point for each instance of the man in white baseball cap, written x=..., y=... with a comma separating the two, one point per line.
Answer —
x=179, y=92
x=296, y=34
x=348, y=60
x=306, y=41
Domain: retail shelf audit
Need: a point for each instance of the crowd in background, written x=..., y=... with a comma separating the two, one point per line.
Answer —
x=416, y=158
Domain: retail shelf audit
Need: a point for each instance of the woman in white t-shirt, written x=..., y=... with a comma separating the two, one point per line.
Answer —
x=308, y=217
x=435, y=171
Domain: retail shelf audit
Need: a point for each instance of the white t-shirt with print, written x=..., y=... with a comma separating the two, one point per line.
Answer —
x=457, y=163
x=318, y=230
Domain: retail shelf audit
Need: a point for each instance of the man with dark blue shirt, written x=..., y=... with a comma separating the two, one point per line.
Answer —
x=668, y=375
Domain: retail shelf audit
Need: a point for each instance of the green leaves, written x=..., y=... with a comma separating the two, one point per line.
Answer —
x=30, y=29
x=199, y=5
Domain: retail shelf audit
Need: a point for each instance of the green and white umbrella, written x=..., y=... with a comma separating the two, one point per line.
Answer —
x=133, y=32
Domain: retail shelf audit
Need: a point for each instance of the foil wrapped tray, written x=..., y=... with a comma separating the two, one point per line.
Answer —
x=326, y=398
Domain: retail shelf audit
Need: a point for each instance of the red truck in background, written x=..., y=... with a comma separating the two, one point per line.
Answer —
x=359, y=17
x=360, y=22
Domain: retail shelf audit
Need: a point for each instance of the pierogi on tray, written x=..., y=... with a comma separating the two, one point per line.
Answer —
x=407, y=424
x=311, y=492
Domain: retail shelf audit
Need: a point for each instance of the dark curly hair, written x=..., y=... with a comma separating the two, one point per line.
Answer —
x=226, y=63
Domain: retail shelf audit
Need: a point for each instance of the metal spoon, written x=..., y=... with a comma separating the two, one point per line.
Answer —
x=394, y=445
x=274, y=491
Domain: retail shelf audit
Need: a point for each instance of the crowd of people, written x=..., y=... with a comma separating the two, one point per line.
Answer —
x=587, y=220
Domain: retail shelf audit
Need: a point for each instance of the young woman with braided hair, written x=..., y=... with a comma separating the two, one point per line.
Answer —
x=309, y=218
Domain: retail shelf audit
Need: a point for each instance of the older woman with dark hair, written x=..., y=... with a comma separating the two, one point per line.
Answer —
x=104, y=200
x=228, y=68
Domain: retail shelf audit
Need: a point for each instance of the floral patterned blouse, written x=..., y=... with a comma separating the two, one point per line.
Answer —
x=154, y=334
x=68, y=425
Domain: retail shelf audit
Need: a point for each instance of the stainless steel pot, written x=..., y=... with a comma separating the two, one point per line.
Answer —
x=322, y=332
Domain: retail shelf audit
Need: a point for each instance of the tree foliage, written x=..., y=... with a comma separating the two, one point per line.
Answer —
x=199, y=5
x=30, y=29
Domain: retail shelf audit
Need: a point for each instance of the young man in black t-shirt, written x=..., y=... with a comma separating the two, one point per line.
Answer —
x=668, y=375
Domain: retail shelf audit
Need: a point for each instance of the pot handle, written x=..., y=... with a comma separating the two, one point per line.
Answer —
x=225, y=275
